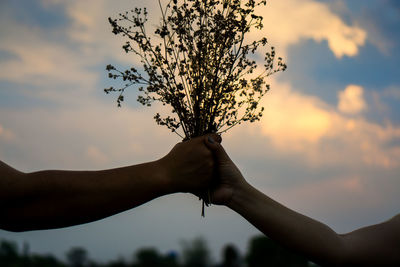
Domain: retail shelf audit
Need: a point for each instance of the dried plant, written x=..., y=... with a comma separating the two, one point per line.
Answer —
x=198, y=62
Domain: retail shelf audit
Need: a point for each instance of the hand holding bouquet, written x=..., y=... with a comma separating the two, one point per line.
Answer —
x=198, y=62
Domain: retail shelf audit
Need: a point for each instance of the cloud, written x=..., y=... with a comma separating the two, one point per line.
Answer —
x=62, y=55
x=38, y=60
x=381, y=20
x=61, y=64
x=303, y=20
x=90, y=29
x=331, y=199
x=52, y=56
x=385, y=101
x=6, y=134
x=95, y=155
x=292, y=118
x=94, y=135
x=351, y=100
x=307, y=126
x=291, y=21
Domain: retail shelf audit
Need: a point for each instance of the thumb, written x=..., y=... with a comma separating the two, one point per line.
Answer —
x=213, y=143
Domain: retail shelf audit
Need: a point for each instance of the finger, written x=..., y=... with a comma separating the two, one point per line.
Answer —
x=217, y=149
x=216, y=137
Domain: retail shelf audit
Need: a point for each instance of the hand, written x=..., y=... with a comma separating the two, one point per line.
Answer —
x=228, y=177
x=188, y=167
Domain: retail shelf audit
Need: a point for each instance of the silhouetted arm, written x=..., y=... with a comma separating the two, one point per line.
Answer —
x=53, y=199
x=374, y=245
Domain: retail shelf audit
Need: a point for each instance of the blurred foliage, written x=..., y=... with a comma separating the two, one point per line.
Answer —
x=77, y=257
x=265, y=252
x=10, y=257
x=262, y=251
x=231, y=257
x=151, y=257
x=195, y=253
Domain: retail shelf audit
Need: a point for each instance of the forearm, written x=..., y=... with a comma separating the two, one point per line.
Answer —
x=53, y=199
x=295, y=231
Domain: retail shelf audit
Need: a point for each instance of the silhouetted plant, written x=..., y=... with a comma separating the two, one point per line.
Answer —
x=196, y=253
x=198, y=62
x=10, y=257
x=231, y=257
x=77, y=257
x=151, y=257
x=148, y=257
x=265, y=252
x=8, y=252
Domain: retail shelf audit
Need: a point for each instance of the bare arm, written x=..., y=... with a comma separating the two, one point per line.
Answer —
x=373, y=245
x=53, y=199
x=369, y=246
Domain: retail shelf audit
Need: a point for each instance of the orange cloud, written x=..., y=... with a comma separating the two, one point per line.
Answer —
x=96, y=155
x=351, y=100
x=6, y=134
x=291, y=21
x=297, y=123
x=294, y=120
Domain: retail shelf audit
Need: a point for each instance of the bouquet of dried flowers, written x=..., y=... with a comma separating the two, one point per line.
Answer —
x=198, y=62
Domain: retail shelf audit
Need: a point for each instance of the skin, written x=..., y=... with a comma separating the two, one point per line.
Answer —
x=55, y=198
x=376, y=245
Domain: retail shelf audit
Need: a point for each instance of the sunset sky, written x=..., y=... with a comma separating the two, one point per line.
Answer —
x=328, y=145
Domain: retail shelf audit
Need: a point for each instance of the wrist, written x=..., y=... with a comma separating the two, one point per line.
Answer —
x=162, y=176
x=241, y=195
x=167, y=176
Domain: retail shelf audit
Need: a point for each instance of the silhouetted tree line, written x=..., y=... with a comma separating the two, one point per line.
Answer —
x=262, y=251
